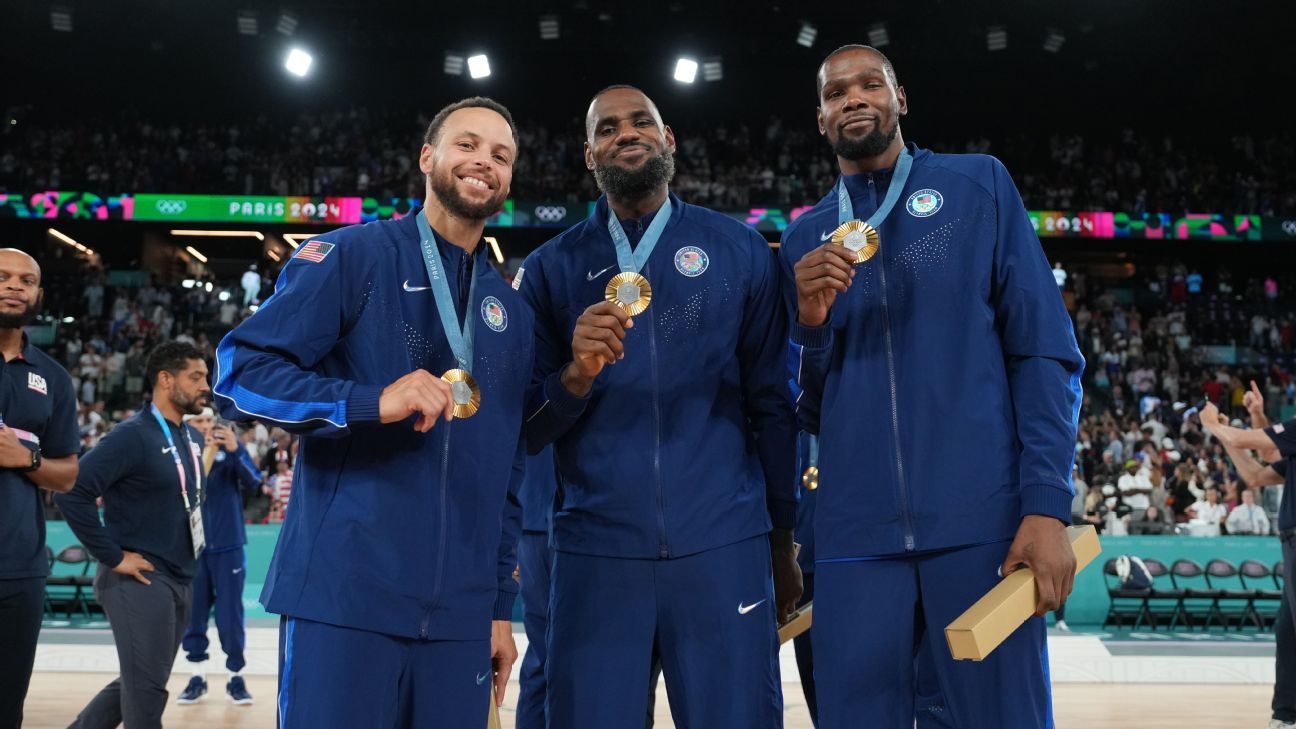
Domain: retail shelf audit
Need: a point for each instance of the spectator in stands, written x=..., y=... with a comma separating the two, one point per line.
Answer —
x=1135, y=488
x=1209, y=511
x=1153, y=521
x=1248, y=518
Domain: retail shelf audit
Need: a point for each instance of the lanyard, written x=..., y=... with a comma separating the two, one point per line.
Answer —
x=175, y=455
x=633, y=261
x=814, y=451
x=846, y=211
x=461, y=339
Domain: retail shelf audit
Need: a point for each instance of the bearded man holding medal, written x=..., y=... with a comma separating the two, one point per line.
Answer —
x=402, y=358
x=660, y=335
x=928, y=332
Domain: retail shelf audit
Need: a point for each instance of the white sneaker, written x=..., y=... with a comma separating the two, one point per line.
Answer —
x=1275, y=724
x=1062, y=626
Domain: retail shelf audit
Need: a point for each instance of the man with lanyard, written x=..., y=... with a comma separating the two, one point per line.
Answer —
x=38, y=450
x=394, y=569
x=223, y=567
x=1275, y=444
x=960, y=286
x=149, y=474
x=658, y=378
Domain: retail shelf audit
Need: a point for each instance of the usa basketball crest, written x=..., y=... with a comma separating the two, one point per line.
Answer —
x=924, y=203
x=494, y=314
x=691, y=261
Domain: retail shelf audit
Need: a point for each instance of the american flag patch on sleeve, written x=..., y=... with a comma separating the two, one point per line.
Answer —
x=314, y=251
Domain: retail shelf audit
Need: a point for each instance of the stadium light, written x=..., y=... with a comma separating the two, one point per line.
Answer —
x=69, y=319
x=712, y=69
x=996, y=38
x=878, y=35
x=454, y=64
x=61, y=18
x=495, y=248
x=549, y=27
x=479, y=66
x=298, y=62
x=223, y=296
x=247, y=22
x=221, y=233
x=274, y=255
x=806, y=36
x=296, y=239
x=70, y=241
x=686, y=70
x=196, y=254
x=287, y=24
x=1053, y=40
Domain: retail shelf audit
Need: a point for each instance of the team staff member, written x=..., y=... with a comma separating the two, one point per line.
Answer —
x=148, y=471
x=674, y=440
x=398, y=548
x=38, y=450
x=959, y=286
x=222, y=569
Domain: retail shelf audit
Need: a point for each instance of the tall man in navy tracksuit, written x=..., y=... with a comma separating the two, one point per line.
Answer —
x=674, y=440
x=398, y=549
x=952, y=344
x=222, y=569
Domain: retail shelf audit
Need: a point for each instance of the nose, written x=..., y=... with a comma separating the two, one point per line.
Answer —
x=628, y=133
x=854, y=101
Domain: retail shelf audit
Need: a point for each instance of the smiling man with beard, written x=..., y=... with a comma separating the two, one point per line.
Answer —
x=659, y=354
x=38, y=450
x=919, y=263
x=148, y=473
x=401, y=357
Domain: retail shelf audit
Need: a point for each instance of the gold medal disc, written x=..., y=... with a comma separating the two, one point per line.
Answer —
x=810, y=479
x=630, y=292
x=857, y=236
x=464, y=390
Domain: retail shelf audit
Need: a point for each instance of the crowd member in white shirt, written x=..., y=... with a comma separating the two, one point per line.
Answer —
x=1135, y=488
x=1247, y=517
x=1210, y=512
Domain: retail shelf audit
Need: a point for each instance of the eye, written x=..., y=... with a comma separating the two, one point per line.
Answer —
x=466, y=146
x=643, y=122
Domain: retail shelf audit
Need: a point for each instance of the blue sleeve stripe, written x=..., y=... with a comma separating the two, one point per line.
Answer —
x=260, y=406
x=246, y=461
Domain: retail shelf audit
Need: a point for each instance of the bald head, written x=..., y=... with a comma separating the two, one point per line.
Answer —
x=12, y=257
x=854, y=49
x=618, y=96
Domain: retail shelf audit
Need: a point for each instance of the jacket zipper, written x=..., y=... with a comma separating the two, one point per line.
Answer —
x=895, y=408
x=441, y=541
x=663, y=547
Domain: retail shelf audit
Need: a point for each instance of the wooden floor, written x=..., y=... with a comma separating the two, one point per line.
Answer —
x=55, y=698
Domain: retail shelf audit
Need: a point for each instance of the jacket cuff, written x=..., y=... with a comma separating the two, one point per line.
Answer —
x=1046, y=499
x=782, y=514
x=813, y=337
x=362, y=404
x=504, y=605
x=560, y=399
x=111, y=557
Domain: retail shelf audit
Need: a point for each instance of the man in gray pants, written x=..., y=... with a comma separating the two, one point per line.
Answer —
x=148, y=471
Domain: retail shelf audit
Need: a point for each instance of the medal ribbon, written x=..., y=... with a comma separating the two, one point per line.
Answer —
x=633, y=261
x=175, y=455
x=460, y=339
x=846, y=211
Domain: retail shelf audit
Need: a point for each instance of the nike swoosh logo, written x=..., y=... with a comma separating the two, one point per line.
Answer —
x=412, y=289
x=240, y=569
x=744, y=609
x=592, y=276
x=482, y=678
x=824, y=236
x=167, y=450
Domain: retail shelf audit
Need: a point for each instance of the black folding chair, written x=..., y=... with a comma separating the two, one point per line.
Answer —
x=1163, y=602
x=1125, y=602
x=1199, y=600
x=1265, y=604
x=70, y=578
x=1235, y=601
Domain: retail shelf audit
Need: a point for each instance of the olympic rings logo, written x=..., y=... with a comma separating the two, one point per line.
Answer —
x=550, y=213
x=1289, y=227
x=171, y=207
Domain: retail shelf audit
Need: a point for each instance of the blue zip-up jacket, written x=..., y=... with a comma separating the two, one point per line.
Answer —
x=688, y=443
x=945, y=386
x=388, y=530
x=804, y=534
x=537, y=491
x=230, y=475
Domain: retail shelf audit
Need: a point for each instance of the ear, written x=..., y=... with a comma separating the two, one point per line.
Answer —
x=902, y=100
x=819, y=117
x=670, y=139
x=426, y=155
x=589, y=157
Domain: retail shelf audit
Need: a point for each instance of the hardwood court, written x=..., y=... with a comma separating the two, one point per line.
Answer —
x=55, y=698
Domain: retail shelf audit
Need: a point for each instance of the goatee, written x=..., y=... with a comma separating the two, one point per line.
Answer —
x=870, y=145
x=624, y=184
x=448, y=195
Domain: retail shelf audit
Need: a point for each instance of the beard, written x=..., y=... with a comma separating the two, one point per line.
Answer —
x=187, y=404
x=443, y=186
x=18, y=321
x=626, y=184
x=870, y=145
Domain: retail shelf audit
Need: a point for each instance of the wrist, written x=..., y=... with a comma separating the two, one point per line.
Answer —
x=781, y=541
x=807, y=320
x=35, y=463
x=574, y=382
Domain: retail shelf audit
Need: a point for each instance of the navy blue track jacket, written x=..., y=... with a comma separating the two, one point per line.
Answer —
x=388, y=530
x=945, y=387
x=688, y=443
x=230, y=474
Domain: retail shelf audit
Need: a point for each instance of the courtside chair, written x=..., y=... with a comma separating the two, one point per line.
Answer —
x=1266, y=601
x=1124, y=602
x=1200, y=601
x=1235, y=600
x=1163, y=602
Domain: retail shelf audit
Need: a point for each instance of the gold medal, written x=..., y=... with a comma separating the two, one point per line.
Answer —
x=810, y=479
x=630, y=292
x=464, y=391
x=859, y=237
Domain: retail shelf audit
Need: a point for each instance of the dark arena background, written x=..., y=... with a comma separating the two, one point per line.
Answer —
x=163, y=159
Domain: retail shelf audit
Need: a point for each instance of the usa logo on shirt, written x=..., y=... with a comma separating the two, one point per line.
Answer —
x=37, y=383
x=494, y=314
x=691, y=261
x=924, y=203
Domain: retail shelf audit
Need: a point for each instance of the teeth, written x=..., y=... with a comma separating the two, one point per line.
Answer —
x=474, y=181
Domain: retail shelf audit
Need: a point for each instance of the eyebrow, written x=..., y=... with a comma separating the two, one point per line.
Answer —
x=636, y=114
x=477, y=138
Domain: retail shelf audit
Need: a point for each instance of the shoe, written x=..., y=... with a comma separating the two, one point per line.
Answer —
x=1276, y=724
x=193, y=693
x=238, y=692
x=1062, y=626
